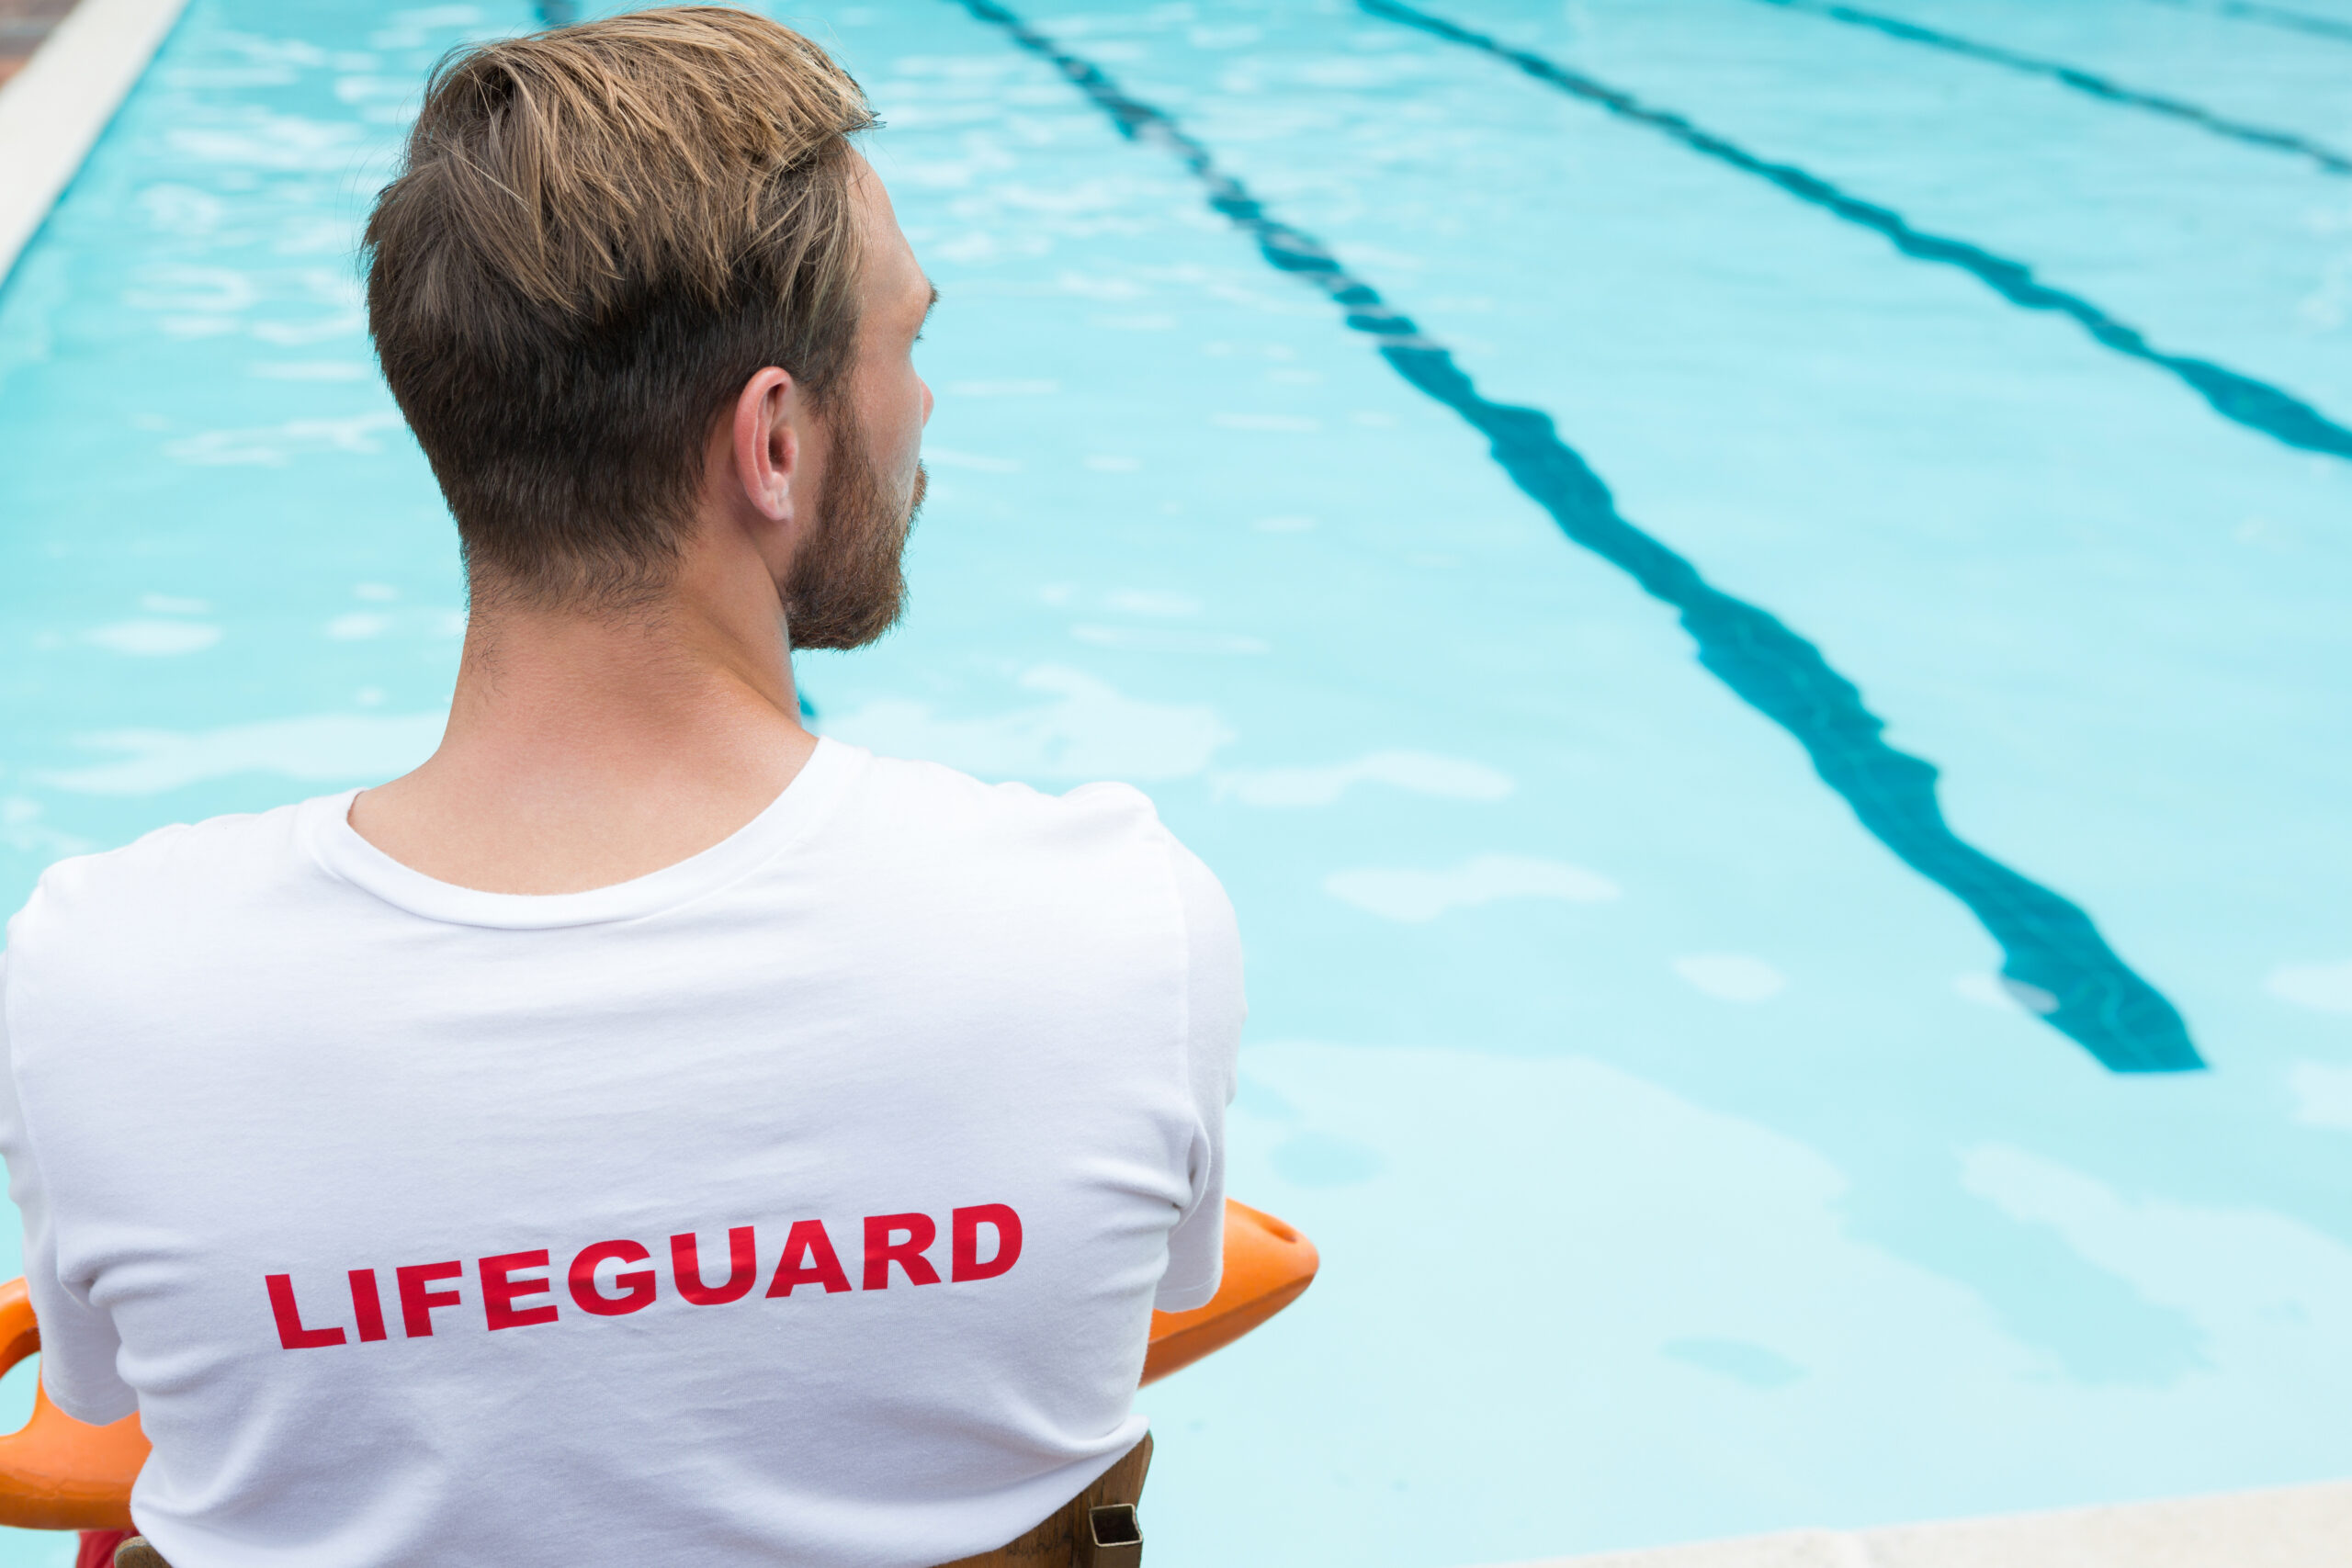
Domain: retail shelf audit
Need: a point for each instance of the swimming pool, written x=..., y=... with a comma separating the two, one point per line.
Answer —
x=1628, y=1022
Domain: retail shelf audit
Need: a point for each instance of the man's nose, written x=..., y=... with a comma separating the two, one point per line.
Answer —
x=926, y=399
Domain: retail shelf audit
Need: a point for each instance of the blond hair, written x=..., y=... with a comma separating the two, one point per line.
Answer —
x=597, y=235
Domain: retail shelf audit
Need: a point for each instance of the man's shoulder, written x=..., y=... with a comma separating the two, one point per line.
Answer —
x=956, y=803
x=1010, y=881
x=935, y=813
x=162, y=872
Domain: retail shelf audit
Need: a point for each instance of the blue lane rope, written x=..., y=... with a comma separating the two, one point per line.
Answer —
x=2081, y=81
x=2242, y=400
x=2048, y=942
x=2278, y=17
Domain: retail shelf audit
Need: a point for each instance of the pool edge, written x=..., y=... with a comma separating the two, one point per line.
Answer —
x=2289, y=1527
x=53, y=110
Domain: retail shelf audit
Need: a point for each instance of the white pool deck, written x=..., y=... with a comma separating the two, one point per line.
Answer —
x=51, y=113
x=2294, y=1527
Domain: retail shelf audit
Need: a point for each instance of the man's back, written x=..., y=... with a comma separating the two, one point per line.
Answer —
x=805, y=1200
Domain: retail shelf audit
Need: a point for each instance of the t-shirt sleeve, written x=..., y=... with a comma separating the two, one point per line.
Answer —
x=1213, y=1012
x=77, y=1340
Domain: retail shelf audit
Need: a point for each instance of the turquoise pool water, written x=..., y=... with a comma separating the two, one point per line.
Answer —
x=1628, y=1025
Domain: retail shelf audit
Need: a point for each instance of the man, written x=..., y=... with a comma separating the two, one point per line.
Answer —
x=645, y=1133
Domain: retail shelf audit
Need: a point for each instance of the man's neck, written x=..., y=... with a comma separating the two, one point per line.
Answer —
x=585, y=750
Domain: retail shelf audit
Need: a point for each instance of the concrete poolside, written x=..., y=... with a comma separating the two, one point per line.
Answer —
x=2294, y=1527
x=64, y=66
x=25, y=25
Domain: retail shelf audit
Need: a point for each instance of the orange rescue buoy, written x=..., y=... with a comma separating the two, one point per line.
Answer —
x=59, y=1474
x=1266, y=1265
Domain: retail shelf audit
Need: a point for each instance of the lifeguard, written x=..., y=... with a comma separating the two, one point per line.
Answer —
x=647, y=1133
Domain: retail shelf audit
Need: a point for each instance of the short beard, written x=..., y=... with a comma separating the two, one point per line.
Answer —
x=847, y=585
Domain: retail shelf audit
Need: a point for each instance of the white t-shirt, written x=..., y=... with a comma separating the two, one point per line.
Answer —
x=805, y=1201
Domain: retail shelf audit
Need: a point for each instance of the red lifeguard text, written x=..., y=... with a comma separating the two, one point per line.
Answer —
x=613, y=1279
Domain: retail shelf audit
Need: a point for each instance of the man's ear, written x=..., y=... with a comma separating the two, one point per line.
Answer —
x=767, y=444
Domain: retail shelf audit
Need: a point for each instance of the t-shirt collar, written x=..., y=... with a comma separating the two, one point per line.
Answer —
x=796, y=813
